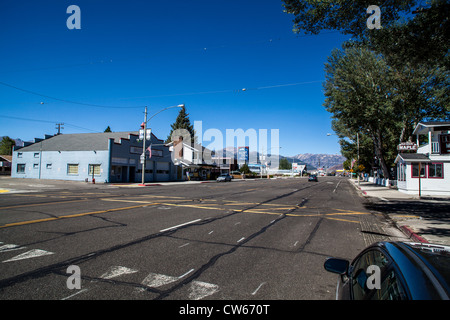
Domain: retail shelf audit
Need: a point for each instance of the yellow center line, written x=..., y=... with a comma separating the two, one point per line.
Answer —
x=345, y=220
x=41, y=204
x=21, y=223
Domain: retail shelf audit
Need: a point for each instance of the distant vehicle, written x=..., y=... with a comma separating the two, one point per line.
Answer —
x=312, y=178
x=224, y=177
x=407, y=271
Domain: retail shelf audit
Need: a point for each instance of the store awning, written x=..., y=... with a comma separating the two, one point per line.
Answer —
x=412, y=157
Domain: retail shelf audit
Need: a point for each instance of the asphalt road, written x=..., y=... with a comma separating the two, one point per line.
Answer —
x=244, y=240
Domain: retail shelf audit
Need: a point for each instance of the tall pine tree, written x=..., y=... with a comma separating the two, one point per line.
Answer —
x=182, y=122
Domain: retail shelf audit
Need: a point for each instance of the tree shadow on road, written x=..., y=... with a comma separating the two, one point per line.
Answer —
x=435, y=214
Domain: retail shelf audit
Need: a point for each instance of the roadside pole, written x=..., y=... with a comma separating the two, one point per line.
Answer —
x=144, y=128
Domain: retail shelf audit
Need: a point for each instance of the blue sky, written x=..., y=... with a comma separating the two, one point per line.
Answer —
x=136, y=53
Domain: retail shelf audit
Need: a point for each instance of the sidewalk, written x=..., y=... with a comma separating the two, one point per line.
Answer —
x=424, y=219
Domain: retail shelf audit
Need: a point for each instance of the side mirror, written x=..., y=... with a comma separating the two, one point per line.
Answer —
x=336, y=265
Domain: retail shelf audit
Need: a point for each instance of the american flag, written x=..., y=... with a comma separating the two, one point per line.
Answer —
x=149, y=149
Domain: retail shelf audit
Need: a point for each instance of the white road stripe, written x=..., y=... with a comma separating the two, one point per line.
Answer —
x=10, y=247
x=184, y=275
x=73, y=295
x=254, y=292
x=180, y=225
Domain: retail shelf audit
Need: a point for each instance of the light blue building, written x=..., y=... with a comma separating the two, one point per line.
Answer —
x=106, y=157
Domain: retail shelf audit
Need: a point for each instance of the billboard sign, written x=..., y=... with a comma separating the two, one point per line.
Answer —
x=243, y=154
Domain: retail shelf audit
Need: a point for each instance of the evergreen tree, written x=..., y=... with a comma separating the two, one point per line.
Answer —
x=245, y=169
x=285, y=164
x=182, y=122
x=108, y=129
x=6, y=145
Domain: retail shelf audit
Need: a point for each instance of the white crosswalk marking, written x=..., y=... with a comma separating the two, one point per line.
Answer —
x=155, y=280
x=200, y=290
x=117, y=271
x=34, y=253
x=10, y=247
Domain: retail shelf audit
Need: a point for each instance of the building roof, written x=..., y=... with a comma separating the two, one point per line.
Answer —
x=78, y=142
x=422, y=127
x=412, y=157
x=5, y=157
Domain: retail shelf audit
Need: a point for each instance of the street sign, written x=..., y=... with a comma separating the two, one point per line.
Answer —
x=407, y=146
x=148, y=134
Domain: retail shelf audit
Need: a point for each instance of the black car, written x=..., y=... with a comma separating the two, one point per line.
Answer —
x=394, y=271
x=312, y=178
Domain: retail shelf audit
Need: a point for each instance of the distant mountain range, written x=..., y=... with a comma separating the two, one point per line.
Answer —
x=320, y=160
x=313, y=161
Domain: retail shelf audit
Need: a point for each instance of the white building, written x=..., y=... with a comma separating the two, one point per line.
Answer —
x=426, y=172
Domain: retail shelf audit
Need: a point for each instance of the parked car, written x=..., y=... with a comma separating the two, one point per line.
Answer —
x=407, y=271
x=224, y=177
x=312, y=177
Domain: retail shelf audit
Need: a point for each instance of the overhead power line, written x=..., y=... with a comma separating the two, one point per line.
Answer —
x=64, y=100
x=48, y=121
x=226, y=91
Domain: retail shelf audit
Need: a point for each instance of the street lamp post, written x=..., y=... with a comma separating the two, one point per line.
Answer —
x=144, y=128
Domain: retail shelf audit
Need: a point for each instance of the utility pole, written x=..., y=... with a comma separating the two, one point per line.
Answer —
x=144, y=128
x=357, y=142
x=58, y=126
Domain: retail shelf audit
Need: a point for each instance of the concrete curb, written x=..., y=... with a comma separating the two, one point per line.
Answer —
x=408, y=232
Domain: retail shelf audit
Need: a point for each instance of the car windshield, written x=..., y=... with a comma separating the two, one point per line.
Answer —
x=437, y=256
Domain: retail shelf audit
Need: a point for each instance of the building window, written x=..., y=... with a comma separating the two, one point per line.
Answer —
x=72, y=169
x=415, y=170
x=20, y=168
x=401, y=172
x=36, y=154
x=435, y=170
x=49, y=165
x=444, y=140
x=35, y=165
x=19, y=154
x=94, y=168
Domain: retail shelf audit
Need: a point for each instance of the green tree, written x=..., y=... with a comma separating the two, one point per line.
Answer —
x=358, y=91
x=421, y=41
x=244, y=169
x=182, y=122
x=380, y=103
x=346, y=16
x=284, y=164
x=108, y=129
x=6, y=145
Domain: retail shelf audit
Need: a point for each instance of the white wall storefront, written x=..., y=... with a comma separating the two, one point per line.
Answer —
x=418, y=176
x=427, y=171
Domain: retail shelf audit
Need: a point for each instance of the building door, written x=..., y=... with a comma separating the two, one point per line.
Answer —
x=132, y=174
x=124, y=174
